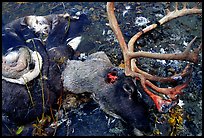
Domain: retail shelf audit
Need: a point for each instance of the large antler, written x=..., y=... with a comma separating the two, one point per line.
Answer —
x=130, y=57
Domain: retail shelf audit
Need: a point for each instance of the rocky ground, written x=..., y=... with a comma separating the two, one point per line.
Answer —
x=172, y=37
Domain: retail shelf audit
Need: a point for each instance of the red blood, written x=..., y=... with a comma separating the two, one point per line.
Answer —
x=111, y=77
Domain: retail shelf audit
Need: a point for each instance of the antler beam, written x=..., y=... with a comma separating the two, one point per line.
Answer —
x=130, y=57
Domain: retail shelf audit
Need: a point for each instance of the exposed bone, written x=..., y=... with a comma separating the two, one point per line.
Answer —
x=15, y=63
x=184, y=5
x=176, y=6
x=31, y=74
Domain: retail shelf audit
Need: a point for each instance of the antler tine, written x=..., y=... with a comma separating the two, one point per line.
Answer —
x=161, y=104
x=200, y=46
x=167, y=8
x=184, y=56
x=170, y=16
x=170, y=92
x=176, y=6
x=184, y=5
x=196, y=6
x=178, y=13
x=186, y=71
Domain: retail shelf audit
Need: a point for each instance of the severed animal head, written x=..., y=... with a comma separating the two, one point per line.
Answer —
x=115, y=93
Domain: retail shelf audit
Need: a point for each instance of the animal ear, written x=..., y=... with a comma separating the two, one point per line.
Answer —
x=48, y=20
x=130, y=88
x=25, y=21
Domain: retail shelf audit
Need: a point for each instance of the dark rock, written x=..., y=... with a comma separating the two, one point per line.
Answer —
x=90, y=120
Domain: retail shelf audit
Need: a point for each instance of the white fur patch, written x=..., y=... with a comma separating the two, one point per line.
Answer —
x=38, y=23
x=74, y=43
x=11, y=57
